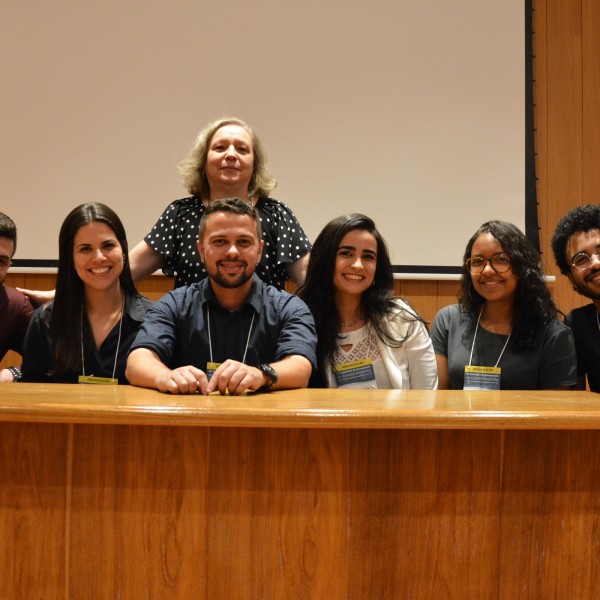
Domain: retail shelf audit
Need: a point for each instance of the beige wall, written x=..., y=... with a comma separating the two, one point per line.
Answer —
x=567, y=93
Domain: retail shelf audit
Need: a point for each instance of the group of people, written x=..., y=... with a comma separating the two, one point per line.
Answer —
x=230, y=327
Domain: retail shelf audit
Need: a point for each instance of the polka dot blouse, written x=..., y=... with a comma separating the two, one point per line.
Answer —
x=176, y=231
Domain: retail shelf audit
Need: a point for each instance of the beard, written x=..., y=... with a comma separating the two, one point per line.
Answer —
x=225, y=281
x=585, y=290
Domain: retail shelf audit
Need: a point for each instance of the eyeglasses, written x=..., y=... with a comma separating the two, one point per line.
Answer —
x=583, y=260
x=499, y=262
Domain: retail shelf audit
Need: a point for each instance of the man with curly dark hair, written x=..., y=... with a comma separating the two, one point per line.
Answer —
x=576, y=246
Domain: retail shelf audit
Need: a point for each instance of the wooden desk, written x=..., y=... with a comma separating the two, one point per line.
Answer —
x=110, y=492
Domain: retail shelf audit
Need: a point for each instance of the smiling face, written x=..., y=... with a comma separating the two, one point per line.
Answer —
x=230, y=248
x=492, y=286
x=97, y=256
x=355, y=263
x=586, y=281
x=230, y=160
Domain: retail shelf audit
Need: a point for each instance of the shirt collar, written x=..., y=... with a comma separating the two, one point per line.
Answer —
x=134, y=308
x=254, y=297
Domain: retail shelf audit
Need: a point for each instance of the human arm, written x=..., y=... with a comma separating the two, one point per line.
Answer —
x=442, y=370
x=145, y=369
x=37, y=350
x=422, y=367
x=236, y=378
x=558, y=365
x=440, y=340
x=37, y=297
x=144, y=260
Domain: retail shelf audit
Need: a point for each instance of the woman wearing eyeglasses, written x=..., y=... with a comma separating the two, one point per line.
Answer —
x=504, y=333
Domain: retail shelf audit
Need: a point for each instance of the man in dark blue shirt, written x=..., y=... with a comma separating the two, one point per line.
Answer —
x=576, y=246
x=230, y=332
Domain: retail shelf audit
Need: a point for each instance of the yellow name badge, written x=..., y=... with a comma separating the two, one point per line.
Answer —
x=355, y=364
x=98, y=380
x=358, y=373
x=482, y=378
x=487, y=370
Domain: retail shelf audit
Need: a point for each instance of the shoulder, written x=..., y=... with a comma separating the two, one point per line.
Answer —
x=138, y=306
x=13, y=296
x=581, y=316
x=184, y=206
x=403, y=313
x=274, y=208
x=452, y=312
x=556, y=328
x=404, y=309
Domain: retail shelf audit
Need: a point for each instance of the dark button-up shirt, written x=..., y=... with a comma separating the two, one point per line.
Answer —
x=183, y=327
x=100, y=362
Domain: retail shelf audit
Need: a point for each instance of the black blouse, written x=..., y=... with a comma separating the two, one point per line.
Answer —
x=176, y=231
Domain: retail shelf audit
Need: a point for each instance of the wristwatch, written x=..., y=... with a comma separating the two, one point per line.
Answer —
x=271, y=374
x=16, y=373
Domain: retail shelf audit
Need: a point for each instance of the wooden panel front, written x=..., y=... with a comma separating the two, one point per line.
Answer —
x=113, y=511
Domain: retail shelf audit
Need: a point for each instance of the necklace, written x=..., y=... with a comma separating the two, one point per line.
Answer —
x=475, y=337
x=85, y=379
x=349, y=324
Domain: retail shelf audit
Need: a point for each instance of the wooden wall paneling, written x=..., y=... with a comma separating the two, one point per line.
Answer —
x=421, y=295
x=447, y=292
x=429, y=526
x=250, y=555
x=591, y=101
x=138, y=512
x=565, y=127
x=550, y=515
x=33, y=480
x=155, y=286
x=39, y=281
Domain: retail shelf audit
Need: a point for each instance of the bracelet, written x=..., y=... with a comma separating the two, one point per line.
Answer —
x=16, y=373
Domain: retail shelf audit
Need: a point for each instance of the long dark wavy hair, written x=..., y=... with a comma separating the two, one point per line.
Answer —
x=64, y=314
x=533, y=307
x=377, y=303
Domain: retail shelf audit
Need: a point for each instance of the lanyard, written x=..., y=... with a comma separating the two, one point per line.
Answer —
x=210, y=337
x=475, y=337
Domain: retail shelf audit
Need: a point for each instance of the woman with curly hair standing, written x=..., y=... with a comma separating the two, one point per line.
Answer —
x=504, y=333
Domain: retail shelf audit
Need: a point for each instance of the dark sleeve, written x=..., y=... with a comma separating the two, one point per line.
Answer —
x=297, y=335
x=283, y=232
x=558, y=367
x=158, y=331
x=37, y=350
